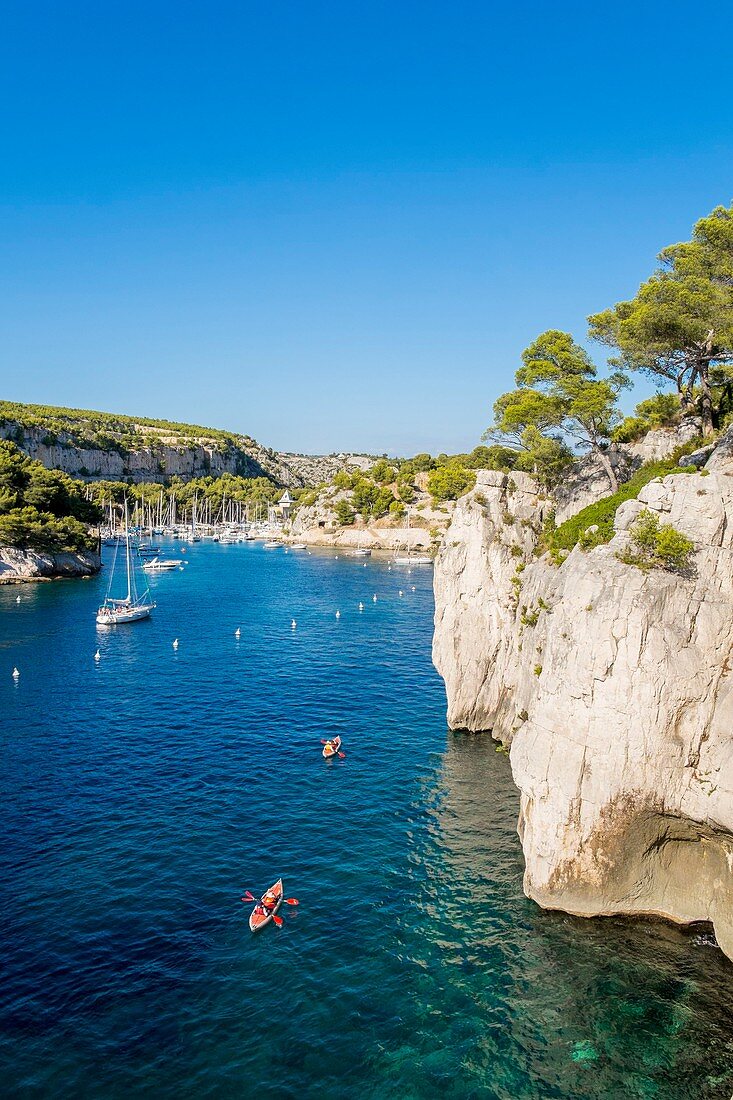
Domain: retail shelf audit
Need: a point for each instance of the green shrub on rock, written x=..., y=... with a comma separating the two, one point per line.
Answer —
x=657, y=545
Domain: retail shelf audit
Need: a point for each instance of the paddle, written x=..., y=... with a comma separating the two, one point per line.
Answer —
x=250, y=897
x=278, y=920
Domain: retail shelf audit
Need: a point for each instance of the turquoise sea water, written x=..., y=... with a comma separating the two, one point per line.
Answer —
x=142, y=795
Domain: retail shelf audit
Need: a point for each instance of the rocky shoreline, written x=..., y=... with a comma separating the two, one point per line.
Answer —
x=21, y=566
x=613, y=687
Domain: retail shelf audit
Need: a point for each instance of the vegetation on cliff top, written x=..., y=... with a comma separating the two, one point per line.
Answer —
x=89, y=429
x=678, y=330
x=42, y=509
x=594, y=525
x=392, y=484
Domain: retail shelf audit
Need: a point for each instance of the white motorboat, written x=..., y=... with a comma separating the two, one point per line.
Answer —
x=161, y=565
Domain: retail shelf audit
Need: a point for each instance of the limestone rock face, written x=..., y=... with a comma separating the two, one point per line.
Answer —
x=167, y=457
x=586, y=481
x=33, y=565
x=614, y=688
x=661, y=442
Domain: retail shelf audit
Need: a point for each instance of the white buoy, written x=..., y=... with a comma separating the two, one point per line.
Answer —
x=389, y=568
x=364, y=565
x=401, y=592
x=374, y=598
x=175, y=643
x=237, y=633
x=413, y=588
x=17, y=599
x=338, y=614
x=97, y=656
x=361, y=606
x=183, y=549
x=293, y=624
x=16, y=674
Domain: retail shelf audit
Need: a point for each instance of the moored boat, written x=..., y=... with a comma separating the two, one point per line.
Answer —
x=161, y=565
x=411, y=558
x=265, y=909
x=132, y=606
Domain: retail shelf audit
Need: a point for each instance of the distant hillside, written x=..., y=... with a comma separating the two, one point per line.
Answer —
x=109, y=446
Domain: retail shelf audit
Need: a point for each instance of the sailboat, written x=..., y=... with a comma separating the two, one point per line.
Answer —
x=409, y=558
x=132, y=606
x=360, y=550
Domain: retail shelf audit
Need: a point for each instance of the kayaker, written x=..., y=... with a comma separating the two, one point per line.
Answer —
x=269, y=900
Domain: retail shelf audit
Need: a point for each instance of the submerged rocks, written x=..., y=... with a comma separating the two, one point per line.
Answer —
x=614, y=688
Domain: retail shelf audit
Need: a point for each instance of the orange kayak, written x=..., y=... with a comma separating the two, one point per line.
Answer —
x=262, y=914
x=331, y=748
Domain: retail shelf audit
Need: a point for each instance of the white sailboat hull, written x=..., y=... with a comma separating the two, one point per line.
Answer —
x=111, y=616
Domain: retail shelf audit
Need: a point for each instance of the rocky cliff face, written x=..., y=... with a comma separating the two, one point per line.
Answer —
x=33, y=565
x=587, y=481
x=166, y=457
x=614, y=688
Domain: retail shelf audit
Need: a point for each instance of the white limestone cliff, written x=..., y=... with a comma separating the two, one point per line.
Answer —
x=160, y=455
x=614, y=688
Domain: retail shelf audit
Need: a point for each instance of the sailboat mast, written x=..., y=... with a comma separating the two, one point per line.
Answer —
x=127, y=554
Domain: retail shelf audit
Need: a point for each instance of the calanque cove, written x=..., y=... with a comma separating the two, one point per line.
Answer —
x=606, y=676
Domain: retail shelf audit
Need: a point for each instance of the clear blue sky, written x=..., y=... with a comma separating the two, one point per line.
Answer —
x=336, y=225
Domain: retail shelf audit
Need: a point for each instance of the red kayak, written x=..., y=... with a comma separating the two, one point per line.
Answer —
x=331, y=748
x=266, y=907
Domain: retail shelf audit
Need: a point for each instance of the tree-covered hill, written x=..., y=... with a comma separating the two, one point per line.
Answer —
x=114, y=447
x=42, y=509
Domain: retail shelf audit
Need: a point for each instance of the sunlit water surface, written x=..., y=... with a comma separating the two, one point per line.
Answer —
x=141, y=795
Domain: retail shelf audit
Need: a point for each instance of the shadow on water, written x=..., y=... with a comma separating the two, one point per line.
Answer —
x=539, y=1004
